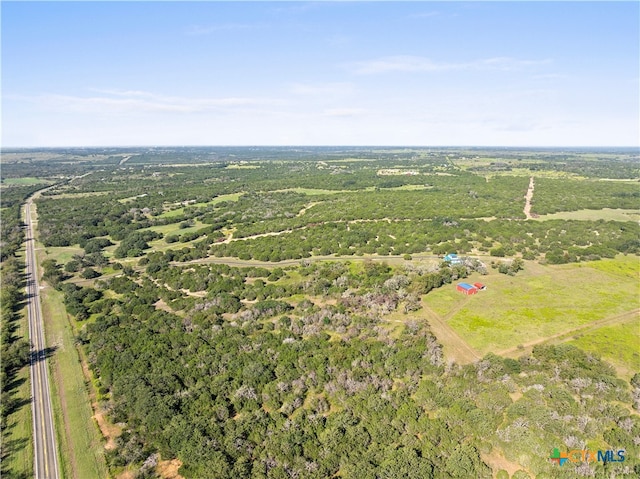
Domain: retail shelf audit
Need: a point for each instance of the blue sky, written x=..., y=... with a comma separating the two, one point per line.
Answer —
x=323, y=73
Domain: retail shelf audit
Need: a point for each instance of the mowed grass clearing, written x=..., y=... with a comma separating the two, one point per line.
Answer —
x=23, y=181
x=80, y=444
x=618, y=344
x=607, y=214
x=626, y=266
x=311, y=191
x=217, y=199
x=174, y=229
x=62, y=254
x=539, y=302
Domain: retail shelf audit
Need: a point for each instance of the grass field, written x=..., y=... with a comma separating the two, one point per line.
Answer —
x=18, y=435
x=311, y=191
x=23, y=181
x=62, y=254
x=174, y=229
x=217, y=199
x=79, y=441
x=235, y=166
x=625, y=266
x=618, y=344
x=539, y=302
x=607, y=214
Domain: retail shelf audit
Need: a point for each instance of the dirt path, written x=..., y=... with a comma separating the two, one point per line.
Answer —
x=527, y=197
x=261, y=235
x=310, y=205
x=246, y=263
x=454, y=346
x=618, y=318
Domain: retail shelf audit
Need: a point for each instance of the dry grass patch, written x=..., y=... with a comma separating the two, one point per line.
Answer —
x=169, y=469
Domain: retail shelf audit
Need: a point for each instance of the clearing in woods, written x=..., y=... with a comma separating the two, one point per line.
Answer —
x=507, y=314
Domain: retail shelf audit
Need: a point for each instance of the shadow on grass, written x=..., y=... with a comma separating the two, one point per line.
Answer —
x=9, y=473
x=10, y=447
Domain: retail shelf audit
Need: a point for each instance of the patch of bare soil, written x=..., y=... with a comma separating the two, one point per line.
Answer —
x=127, y=475
x=169, y=469
x=161, y=304
x=515, y=396
x=496, y=461
x=109, y=431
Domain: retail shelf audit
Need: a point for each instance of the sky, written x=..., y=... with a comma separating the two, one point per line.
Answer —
x=320, y=73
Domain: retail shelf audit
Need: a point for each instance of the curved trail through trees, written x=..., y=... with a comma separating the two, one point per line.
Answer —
x=248, y=263
x=124, y=160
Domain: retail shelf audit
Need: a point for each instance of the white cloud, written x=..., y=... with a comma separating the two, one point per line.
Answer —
x=344, y=112
x=433, y=13
x=128, y=101
x=331, y=88
x=551, y=76
x=134, y=93
x=401, y=63
x=409, y=63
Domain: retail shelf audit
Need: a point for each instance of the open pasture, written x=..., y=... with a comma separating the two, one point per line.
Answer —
x=618, y=344
x=539, y=302
x=81, y=448
x=63, y=254
x=607, y=214
x=626, y=266
x=311, y=191
x=217, y=199
x=23, y=181
x=175, y=229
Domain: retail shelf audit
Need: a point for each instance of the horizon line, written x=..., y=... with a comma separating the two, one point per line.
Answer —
x=337, y=145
